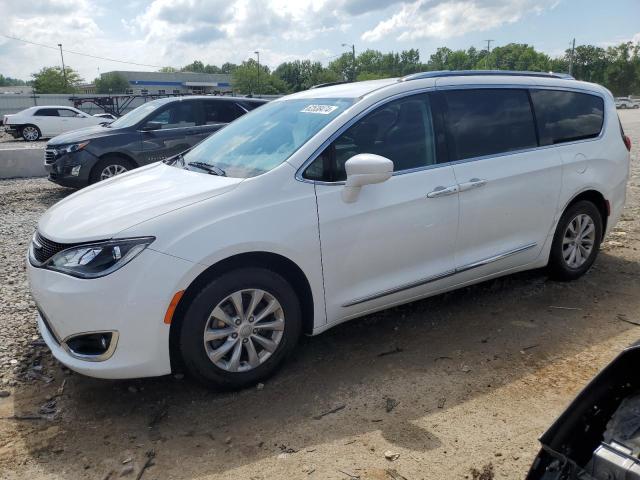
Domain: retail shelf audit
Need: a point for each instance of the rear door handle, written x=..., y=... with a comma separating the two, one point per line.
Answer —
x=442, y=191
x=473, y=183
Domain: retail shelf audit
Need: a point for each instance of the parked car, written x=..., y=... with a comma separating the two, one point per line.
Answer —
x=321, y=207
x=150, y=133
x=598, y=436
x=47, y=121
x=627, y=102
x=106, y=116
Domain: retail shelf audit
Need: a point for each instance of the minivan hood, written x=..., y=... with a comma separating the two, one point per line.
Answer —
x=103, y=210
x=82, y=135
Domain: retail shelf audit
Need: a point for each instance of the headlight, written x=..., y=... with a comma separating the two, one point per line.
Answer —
x=73, y=148
x=98, y=259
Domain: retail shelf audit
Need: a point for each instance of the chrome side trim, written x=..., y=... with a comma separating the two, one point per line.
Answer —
x=433, y=278
x=93, y=358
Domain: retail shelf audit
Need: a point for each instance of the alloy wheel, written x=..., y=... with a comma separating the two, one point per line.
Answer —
x=578, y=241
x=244, y=330
x=111, y=171
x=30, y=133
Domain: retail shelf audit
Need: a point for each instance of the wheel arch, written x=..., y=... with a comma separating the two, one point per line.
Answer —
x=598, y=199
x=120, y=155
x=271, y=261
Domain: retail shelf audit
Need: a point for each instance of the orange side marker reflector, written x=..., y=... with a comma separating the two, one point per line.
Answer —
x=172, y=307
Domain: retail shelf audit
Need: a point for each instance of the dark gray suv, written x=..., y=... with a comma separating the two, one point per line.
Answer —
x=152, y=132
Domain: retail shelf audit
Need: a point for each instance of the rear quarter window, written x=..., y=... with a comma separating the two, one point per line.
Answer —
x=564, y=116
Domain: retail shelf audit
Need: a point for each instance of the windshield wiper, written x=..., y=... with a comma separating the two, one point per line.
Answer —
x=176, y=159
x=211, y=169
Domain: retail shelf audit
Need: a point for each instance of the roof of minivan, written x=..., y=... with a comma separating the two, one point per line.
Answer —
x=345, y=90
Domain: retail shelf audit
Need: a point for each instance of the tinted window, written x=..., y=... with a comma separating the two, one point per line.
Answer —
x=401, y=131
x=487, y=122
x=63, y=112
x=221, y=112
x=178, y=115
x=566, y=116
x=47, y=112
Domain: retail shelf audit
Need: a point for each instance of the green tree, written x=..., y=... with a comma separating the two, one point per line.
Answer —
x=622, y=74
x=111, y=83
x=196, y=66
x=52, y=80
x=249, y=79
x=168, y=70
x=10, y=82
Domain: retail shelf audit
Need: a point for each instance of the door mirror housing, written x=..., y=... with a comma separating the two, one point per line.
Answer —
x=150, y=126
x=365, y=169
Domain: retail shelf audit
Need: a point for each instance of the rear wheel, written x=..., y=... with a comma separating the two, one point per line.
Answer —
x=576, y=242
x=30, y=133
x=109, y=167
x=240, y=328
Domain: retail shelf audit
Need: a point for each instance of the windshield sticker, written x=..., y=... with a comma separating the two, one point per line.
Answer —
x=321, y=109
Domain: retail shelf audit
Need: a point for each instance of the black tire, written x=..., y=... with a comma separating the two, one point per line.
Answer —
x=558, y=267
x=30, y=133
x=192, y=347
x=109, y=161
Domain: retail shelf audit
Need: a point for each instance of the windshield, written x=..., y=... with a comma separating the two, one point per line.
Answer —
x=137, y=114
x=266, y=137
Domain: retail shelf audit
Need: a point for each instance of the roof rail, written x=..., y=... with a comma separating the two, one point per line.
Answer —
x=469, y=73
x=328, y=84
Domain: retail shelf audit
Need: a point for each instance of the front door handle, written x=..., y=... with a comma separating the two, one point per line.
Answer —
x=442, y=191
x=473, y=183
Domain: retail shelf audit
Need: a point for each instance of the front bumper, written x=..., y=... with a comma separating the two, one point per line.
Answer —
x=131, y=301
x=60, y=169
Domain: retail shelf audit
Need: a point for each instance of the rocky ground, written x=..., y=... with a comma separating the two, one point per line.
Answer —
x=457, y=386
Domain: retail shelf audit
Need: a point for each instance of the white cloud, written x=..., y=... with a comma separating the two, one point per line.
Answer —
x=449, y=18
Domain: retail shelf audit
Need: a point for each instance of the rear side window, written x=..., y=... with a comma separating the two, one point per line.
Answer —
x=488, y=122
x=47, y=112
x=567, y=116
x=221, y=112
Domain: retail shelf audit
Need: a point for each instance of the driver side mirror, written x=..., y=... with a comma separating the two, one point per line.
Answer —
x=150, y=126
x=365, y=169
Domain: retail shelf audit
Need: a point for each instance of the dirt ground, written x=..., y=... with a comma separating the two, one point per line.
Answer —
x=462, y=381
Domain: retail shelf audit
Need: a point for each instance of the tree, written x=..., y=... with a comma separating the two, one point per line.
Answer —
x=52, y=80
x=622, y=73
x=168, y=70
x=248, y=78
x=10, y=82
x=111, y=83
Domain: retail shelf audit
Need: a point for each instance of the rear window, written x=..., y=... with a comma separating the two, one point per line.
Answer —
x=567, y=116
x=488, y=122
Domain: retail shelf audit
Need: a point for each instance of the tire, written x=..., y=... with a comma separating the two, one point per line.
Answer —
x=202, y=359
x=636, y=106
x=117, y=165
x=563, y=268
x=30, y=133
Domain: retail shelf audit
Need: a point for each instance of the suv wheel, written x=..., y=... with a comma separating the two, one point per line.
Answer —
x=109, y=167
x=30, y=133
x=240, y=328
x=576, y=242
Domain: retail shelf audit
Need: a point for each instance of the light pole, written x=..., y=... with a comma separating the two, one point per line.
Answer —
x=353, y=65
x=64, y=71
x=258, y=87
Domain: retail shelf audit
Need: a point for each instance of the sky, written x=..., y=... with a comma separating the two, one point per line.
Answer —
x=176, y=32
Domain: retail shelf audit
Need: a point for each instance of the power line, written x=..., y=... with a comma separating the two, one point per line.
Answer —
x=79, y=53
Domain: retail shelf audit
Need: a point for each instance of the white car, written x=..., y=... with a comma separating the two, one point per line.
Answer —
x=626, y=102
x=321, y=207
x=47, y=121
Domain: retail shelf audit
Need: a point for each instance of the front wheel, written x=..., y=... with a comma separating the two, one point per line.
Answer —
x=109, y=167
x=576, y=242
x=240, y=328
x=30, y=133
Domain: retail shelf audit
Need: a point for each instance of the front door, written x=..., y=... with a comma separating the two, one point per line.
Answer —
x=396, y=241
x=508, y=188
x=174, y=129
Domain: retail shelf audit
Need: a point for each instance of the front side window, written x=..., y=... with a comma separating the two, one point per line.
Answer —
x=401, y=130
x=264, y=138
x=63, y=112
x=177, y=115
x=488, y=122
x=564, y=116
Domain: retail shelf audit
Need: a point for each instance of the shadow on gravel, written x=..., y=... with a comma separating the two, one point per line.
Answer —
x=424, y=357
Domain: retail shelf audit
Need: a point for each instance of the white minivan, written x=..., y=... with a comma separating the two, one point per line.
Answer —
x=324, y=206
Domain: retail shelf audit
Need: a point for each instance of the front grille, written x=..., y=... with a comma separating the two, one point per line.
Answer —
x=47, y=248
x=50, y=155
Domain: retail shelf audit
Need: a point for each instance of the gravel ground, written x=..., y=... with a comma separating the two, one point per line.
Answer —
x=461, y=382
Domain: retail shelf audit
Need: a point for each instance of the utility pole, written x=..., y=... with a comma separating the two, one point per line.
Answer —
x=258, y=87
x=486, y=59
x=573, y=51
x=64, y=71
x=353, y=60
